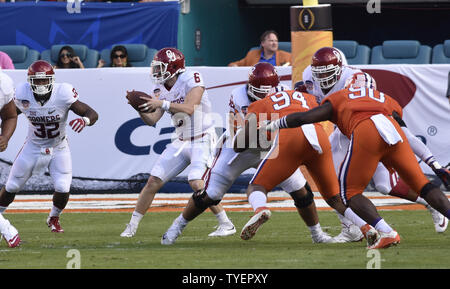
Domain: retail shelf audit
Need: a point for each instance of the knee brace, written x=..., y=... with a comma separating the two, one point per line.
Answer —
x=428, y=187
x=303, y=202
x=202, y=201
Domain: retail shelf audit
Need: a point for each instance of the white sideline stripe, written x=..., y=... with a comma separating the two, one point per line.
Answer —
x=163, y=199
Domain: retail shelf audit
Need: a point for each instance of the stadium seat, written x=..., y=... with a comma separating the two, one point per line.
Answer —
x=21, y=55
x=353, y=51
x=402, y=52
x=139, y=55
x=441, y=53
x=285, y=45
x=89, y=57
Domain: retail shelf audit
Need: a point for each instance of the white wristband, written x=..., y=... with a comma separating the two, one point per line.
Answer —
x=86, y=120
x=165, y=105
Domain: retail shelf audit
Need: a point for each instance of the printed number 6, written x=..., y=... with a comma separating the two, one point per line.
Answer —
x=197, y=77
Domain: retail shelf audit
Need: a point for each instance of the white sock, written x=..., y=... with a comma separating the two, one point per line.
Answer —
x=316, y=229
x=2, y=209
x=222, y=217
x=180, y=222
x=421, y=201
x=3, y=223
x=257, y=199
x=350, y=215
x=55, y=212
x=344, y=221
x=136, y=217
x=382, y=226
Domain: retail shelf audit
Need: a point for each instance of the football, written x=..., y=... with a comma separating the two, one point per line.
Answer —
x=134, y=98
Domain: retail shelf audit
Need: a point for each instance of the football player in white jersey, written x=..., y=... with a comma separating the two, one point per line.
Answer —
x=46, y=105
x=329, y=73
x=229, y=165
x=8, y=115
x=184, y=97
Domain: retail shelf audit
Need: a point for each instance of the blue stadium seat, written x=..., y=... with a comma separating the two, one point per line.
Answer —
x=441, y=53
x=21, y=55
x=353, y=51
x=401, y=51
x=88, y=56
x=285, y=45
x=139, y=55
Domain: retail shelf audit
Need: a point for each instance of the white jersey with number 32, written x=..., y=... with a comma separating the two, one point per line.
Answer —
x=47, y=127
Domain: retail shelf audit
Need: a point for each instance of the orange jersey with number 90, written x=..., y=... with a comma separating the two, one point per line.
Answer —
x=353, y=105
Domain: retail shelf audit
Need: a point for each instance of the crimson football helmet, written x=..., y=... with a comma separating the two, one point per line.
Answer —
x=262, y=80
x=326, y=66
x=167, y=63
x=41, y=78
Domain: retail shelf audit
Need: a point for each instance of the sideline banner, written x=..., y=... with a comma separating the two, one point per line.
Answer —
x=40, y=24
x=120, y=147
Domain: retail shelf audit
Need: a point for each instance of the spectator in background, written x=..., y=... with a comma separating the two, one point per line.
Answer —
x=67, y=58
x=5, y=61
x=118, y=58
x=267, y=53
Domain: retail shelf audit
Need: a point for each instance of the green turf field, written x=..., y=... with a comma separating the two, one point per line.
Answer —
x=283, y=242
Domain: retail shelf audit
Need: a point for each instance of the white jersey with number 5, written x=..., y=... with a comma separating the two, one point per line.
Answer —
x=47, y=126
x=188, y=126
x=6, y=89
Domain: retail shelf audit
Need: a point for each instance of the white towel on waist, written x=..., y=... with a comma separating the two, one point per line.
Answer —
x=386, y=129
x=311, y=135
x=43, y=161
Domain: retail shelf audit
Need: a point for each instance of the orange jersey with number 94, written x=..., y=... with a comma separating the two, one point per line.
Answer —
x=294, y=147
x=282, y=103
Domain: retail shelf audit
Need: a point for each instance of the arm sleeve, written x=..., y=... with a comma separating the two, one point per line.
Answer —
x=418, y=147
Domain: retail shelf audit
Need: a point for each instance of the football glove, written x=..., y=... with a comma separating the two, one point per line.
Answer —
x=441, y=172
x=444, y=175
x=79, y=123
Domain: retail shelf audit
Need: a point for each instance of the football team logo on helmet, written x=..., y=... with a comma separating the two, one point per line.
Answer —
x=326, y=66
x=167, y=63
x=262, y=80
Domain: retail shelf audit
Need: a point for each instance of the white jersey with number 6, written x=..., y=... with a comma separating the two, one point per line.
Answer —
x=188, y=126
x=47, y=126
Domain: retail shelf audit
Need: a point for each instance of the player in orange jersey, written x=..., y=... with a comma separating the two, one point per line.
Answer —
x=291, y=148
x=366, y=117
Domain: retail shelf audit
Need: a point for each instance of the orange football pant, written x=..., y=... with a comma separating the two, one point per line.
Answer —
x=367, y=148
x=292, y=150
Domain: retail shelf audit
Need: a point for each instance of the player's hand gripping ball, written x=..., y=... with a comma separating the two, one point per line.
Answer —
x=135, y=100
